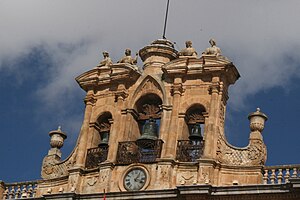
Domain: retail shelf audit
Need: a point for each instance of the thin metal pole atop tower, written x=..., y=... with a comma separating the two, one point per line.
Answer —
x=166, y=19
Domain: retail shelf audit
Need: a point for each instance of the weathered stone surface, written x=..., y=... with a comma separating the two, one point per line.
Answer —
x=175, y=91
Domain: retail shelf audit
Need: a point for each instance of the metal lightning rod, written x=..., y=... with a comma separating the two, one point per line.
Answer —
x=166, y=19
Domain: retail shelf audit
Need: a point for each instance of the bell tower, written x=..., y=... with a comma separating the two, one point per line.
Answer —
x=157, y=127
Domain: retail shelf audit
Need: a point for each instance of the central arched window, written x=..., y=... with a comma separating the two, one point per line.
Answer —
x=149, y=114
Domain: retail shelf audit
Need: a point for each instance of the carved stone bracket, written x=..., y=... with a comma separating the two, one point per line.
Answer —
x=121, y=95
x=214, y=88
x=90, y=100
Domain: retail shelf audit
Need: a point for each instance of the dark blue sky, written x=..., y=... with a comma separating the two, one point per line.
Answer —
x=45, y=45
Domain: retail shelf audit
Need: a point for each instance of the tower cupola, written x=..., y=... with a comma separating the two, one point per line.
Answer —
x=158, y=53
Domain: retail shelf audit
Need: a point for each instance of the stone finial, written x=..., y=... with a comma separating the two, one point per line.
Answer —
x=189, y=51
x=257, y=120
x=128, y=59
x=57, y=138
x=213, y=50
x=106, y=60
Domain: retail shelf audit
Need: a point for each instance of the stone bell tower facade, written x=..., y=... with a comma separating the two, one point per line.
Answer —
x=152, y=130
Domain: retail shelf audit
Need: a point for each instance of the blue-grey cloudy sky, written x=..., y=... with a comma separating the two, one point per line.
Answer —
x=44, y=45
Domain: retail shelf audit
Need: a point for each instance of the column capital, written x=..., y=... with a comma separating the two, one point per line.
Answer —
x=177, y=88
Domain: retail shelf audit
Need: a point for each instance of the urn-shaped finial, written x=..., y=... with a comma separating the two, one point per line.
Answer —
x=57, y=138
x=257, y=120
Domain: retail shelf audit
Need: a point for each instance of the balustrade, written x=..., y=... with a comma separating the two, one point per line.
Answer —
x=20, y=190
x=145, y=151
x=189, y=150
x=95, y=156
x=280, y=174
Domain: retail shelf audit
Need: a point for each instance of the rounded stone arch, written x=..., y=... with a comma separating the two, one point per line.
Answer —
x=148, y=85
x=149, y=110
x=189, y=109
x=102, y=109
x=188, y=103
x=101, y=123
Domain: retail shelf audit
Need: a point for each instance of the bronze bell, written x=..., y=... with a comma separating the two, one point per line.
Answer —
x=104, y=138
x=150, y=130
x=196, y=132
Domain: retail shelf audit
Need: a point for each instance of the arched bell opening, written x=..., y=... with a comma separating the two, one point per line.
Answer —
x=104, y=125
x=147, y=146
x=195, y=121
x=148, y=108
x=191, y=147
x=97, y=155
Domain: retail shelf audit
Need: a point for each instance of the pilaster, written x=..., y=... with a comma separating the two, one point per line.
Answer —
x=176, y=91
x=211, y=124
x=83, y=138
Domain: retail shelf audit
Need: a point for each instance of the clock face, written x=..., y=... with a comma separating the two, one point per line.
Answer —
x=135, y=179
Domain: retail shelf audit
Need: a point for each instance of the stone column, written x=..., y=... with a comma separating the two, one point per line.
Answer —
x=83, y=139
x=177, y=91
x=211, y=124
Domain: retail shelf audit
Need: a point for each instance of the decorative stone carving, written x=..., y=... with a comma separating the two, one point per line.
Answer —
x=128, y=59
x=104, y=177
x=92, y=181
x=189, y=51
x=150, y=86
x=257, y=120
x=222, y=114
x=164, y=173
x=61, y=190
x=213, y=50
x=177, y=89
x=253, y=154
x=150, y=110
x=57, y=138
x=52, y=166
x=106, y=60
x=186, y=178
x=205, y=177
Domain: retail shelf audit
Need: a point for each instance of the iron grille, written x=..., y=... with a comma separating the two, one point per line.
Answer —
x=95, y=156
x=142, y=151
x=189, y=150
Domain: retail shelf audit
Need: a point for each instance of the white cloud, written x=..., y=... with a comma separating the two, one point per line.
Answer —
x=261, y=37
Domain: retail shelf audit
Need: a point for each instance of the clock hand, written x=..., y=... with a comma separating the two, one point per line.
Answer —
x=138, y=176
x=139, y=180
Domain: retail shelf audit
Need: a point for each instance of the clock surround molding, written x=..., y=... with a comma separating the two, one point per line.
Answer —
x=128, y=169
